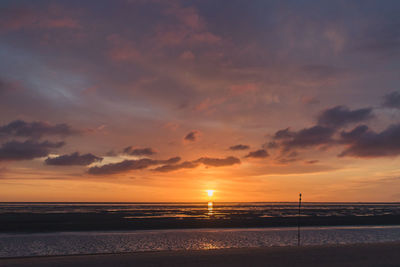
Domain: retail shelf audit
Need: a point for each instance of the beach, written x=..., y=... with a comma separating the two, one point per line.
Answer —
x=377, y=254
x=185, y=234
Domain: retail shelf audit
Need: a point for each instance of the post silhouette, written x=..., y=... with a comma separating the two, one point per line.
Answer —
x=298, y=222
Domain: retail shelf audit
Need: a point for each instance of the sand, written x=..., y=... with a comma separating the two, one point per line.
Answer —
x=382, y=254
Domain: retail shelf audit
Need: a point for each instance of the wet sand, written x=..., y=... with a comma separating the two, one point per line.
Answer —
x=382, y=254
x=58, y=222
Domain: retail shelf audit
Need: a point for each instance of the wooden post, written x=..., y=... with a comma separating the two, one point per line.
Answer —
x=298, y=222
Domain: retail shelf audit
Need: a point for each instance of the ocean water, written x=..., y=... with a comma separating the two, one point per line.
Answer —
x=206, y=210
x=71, y=243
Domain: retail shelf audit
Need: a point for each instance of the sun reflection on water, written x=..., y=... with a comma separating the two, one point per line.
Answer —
x=210, y=209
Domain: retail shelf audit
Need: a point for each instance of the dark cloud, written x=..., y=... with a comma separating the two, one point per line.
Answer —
x=313, y=136
x=239, y=147
x=128, y=165
x=311, y=161
x=171, y=167
x=15, y=150
x=36, y=129
x=353, y=135
x=73, y=159
x=173, y=160
x=283, y=134
x=139, y=151
x=365, y=143
x=209, y=162
x=271, y=145
x=340, y=116
x=261, y=153
x=392, y=100
x=215, y=162
x=322, y=134
x=191, y=136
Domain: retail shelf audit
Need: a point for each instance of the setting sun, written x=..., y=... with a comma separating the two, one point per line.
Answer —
x=210, y=193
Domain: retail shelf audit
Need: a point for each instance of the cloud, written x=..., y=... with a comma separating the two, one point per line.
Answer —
x=340, y=116
x=36, y=129
x=392, y=100
x=186, y=28
x=73, y=159
x=130, y=150
x=171, y=167
x=192, y=136
x=284, y=134
x=271, y=145
x=261, y=153
x=289, y=157
x=239, y=147
x=209, y=162
x=365, y=143
x=129, y=165
x=25, y=18
x=15, y=150
x=353, y=135
x=321, y=134
x=216, y=162
x=313, y=136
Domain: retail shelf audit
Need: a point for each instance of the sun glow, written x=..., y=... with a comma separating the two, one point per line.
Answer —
x=210, y=193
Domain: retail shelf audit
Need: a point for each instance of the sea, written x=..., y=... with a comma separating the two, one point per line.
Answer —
x=42, y=229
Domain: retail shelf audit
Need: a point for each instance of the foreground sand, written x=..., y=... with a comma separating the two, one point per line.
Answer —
x=383, y=254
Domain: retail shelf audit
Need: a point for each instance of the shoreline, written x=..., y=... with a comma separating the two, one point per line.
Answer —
x=362, y=254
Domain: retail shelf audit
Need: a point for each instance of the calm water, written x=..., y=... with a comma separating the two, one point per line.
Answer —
x=206, y=210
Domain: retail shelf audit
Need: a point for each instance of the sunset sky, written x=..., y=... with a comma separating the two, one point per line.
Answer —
x=151, y=100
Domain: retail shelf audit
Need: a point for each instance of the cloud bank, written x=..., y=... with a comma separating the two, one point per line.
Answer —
x=27, y=150
x=239, y=147
x=36, y=129
x=139, y=151
x=73, y=159
x=261, y=153
x=340, y=116
x=128, y=165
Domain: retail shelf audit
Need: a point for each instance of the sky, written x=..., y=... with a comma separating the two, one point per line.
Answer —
x=150, y=100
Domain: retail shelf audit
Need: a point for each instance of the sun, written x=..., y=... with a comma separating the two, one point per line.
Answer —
x=210, y=193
